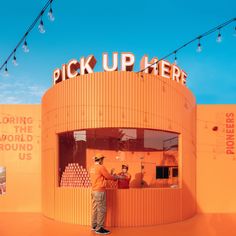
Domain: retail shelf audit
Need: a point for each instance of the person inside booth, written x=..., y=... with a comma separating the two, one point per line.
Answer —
x=123, y=181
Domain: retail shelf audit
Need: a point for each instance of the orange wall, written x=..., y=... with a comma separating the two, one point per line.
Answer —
x=118, y=99
x=216, y=170
x=23, y=167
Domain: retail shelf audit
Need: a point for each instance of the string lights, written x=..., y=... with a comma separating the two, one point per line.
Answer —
x=51, y=17
x=198, y=38
x=23, y=41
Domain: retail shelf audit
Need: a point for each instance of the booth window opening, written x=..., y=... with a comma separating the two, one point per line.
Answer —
x=151, y=156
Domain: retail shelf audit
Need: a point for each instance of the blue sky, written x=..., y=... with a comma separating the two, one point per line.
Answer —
x=149, y=27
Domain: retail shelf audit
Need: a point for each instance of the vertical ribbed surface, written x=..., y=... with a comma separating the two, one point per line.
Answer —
x=119, y=99
x=133, y=207
x=73, y=205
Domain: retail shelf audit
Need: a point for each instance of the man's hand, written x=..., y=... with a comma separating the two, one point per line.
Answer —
x=112, y=171
x=119, y=176
x=115, y=176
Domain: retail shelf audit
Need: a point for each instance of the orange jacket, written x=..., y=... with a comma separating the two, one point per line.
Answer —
x=99, y=175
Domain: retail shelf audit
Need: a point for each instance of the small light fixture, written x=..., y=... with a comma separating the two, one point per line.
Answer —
x=41, y=27
x=50, y=13
x=175, y=60
x=199, y=46
x=14, y=61
x=6, y=73
x=219, y=37
x=25, y=46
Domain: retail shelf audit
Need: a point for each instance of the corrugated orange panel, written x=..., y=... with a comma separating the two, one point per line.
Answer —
x=215, y=167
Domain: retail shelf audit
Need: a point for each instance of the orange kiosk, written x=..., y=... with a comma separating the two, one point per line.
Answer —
x=141, y=119
x=181, y=156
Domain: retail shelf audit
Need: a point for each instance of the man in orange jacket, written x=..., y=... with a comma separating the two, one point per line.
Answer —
x=99, y=175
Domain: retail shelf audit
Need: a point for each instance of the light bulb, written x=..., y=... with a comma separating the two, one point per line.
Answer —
x=6, y=72
x=25, y=47
x=50, y=15
x=41, y=27
x=175, y=61
x=14, y=61
x=219, y=38
x=199, y=46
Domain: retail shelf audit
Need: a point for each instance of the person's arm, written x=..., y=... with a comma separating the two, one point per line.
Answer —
x=106, y=174
x=128, y=177
x=121, y=176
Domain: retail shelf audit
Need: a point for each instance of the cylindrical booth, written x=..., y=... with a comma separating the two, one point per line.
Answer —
x=143, y=120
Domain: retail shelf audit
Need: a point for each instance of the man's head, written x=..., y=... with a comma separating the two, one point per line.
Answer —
x=99, y=158
x=125, y=168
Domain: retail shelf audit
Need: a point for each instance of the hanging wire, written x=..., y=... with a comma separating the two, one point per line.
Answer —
x=23, y=38
x=198, y=38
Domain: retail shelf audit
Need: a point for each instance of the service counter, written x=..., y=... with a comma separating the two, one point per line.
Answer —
x=125, y=207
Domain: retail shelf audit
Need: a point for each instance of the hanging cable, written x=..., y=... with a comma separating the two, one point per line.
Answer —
x=23, y=38
x=198, y=38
